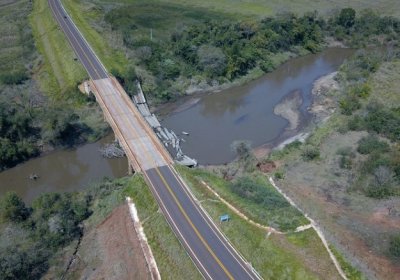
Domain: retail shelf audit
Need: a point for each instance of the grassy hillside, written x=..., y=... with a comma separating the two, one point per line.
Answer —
x=263, y=8
x=40, y=106
x=255, y=244
x=181, y=47
x=59, y=73
x=352, y=184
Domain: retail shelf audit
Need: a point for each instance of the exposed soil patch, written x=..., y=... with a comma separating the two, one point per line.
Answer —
x=110, y=251
x=266, y=166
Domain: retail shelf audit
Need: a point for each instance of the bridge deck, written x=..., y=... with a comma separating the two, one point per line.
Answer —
x=133, y=132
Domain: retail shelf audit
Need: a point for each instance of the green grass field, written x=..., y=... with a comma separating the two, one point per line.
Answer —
x=266, y=8
x=108, y=52
x=172, y=260
x=285, y=219
x=263, y=8
x=60, y=72
x=15, y=38
x=275, y=256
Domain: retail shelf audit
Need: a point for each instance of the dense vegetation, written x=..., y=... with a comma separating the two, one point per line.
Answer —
x=202, y=49
x=379, y=174
x=31, y=121
x=31, y=235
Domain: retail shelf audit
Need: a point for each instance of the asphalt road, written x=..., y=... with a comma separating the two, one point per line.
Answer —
x=210, y=251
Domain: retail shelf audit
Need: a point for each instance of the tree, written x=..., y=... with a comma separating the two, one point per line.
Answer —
x=242, y=149
x=347, y=17
x=212, y=60
x=310, y=152
x=383, y=176
x=12, y=208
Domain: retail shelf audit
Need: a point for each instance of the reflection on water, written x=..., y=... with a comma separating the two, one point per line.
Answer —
x=246, y=112
x=66, y=170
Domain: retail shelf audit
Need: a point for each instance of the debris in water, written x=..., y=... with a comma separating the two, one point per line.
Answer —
x=33, y=176
x=112, y=150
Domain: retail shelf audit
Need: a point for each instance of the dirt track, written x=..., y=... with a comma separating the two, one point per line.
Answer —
x=111, y=251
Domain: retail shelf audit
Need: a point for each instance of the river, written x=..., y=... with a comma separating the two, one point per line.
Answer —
x=62, y=170
x=213, y=123
x=247, y=112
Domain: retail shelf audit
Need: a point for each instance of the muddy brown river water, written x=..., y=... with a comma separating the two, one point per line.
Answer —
x=65, y=170
x=214, y=122
x=247, y=112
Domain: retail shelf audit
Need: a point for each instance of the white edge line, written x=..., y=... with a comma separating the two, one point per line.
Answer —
x=209, y=220
x=315, y=227
x=161, y=204
x=86, y=42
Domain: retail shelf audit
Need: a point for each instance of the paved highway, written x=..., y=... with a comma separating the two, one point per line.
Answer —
x=210, y=251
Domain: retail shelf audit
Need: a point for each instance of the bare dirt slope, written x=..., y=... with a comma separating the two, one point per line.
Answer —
x=110, y=251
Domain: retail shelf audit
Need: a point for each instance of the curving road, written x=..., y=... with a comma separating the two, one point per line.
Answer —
x=213, y=255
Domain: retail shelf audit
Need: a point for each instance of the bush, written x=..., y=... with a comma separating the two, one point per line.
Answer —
x=212, y=60
x=12, y=208
x=394, y=247
x=349, y=104
x=279, y=175
x=57, y=217
x=267, y=66
x=356, y=123
x=247, y=188
x=345, y=162
x=310, y=152
x=346, y=154
x=384, y=121
x=372, y=144
x=13, y=78
x=360, y=90
x=379, y=192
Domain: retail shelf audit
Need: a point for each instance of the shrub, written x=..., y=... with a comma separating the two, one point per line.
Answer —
x=346, y=154
x=356, y=123
x=349, y=104
x=279, y=175
x=212, y=60
x=310, y=152
x=12, y=208
x=384, y=121
x=266, y=65
x=248, y=188
x=360, y=90
x=345, y=162
x=379, y=192
x=394, y=247
x=370, y=144
x=347, y=17
x=14, y=78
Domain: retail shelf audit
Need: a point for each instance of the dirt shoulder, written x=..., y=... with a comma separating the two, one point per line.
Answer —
x=111, y=250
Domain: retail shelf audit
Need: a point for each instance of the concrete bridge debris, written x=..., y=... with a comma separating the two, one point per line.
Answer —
x=168, y=137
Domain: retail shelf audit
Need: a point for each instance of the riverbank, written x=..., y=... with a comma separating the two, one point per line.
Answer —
x=246, y=112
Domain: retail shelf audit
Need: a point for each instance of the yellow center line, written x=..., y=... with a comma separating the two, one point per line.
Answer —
x=193, y=226
x=164, y=180
x=77, y=41
x=151, y=158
